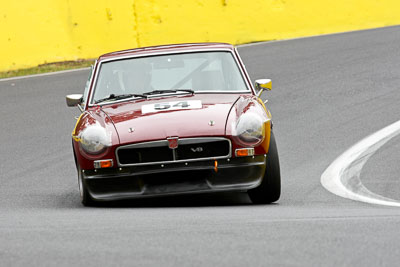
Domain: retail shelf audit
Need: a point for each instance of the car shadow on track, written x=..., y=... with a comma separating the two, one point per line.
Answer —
x=71, y=200
x=193, y=200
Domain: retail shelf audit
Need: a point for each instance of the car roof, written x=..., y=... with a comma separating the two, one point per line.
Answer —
x=165, y=48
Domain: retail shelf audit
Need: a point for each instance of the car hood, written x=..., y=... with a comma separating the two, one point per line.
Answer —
x=136, y=123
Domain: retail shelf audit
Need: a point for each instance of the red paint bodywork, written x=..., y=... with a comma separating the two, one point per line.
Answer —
x=181, y=123
x=127, y=125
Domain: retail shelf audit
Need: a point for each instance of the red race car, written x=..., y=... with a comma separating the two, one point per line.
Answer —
x=174, y=119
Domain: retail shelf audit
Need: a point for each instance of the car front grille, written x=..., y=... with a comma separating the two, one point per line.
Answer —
x=189, y=149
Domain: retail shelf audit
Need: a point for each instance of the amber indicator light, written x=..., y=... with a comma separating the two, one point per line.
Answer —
x=244, y=152
x=108, y=163
x=105, y=164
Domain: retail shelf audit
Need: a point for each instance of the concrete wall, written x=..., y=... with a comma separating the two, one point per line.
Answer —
x=36, y=32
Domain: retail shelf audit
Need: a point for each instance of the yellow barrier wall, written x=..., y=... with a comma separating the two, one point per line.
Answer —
x=36, y=32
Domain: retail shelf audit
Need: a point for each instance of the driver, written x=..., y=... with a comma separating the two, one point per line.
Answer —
x=135, y=76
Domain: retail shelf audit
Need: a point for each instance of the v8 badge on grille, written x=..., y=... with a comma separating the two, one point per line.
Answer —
x=197, y=149
x=172, y=142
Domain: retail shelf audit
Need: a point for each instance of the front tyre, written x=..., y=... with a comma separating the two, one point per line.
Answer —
x=270, y=188
x=86, y=199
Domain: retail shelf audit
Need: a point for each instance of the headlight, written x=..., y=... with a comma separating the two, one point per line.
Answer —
x=250, y=128
x=94, y=139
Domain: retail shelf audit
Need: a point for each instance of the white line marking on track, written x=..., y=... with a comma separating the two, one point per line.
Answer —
x=342, y=177
x=42, y=74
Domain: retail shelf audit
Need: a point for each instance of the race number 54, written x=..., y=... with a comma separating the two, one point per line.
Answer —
x=164, y=106
x=169, y=106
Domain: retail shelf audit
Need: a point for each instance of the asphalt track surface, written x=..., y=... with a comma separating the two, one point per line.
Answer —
x=328, y=93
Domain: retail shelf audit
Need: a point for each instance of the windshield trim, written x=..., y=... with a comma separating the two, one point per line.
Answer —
x=90, y=102
x=168, y=95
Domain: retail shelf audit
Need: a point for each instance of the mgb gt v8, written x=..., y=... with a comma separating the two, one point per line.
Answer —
x=174, y=119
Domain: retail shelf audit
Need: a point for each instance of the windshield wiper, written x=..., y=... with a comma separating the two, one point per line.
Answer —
x=118, y=97
x=158, y=92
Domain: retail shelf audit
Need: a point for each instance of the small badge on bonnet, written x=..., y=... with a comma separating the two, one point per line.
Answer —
x=173, y=142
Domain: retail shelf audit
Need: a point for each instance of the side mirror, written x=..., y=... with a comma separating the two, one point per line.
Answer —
x=74, y=100
x=261, y=85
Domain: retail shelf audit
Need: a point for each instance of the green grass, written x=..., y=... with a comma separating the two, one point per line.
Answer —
x=48, y=67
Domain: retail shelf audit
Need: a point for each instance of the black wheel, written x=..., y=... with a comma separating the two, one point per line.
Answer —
x=270, y=188
x=86, y=199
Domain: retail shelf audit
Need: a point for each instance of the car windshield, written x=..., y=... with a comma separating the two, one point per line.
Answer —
x=200, y=72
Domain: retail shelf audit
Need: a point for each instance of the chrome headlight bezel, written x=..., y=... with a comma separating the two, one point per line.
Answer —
x=250, y=129
x=94, y=139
